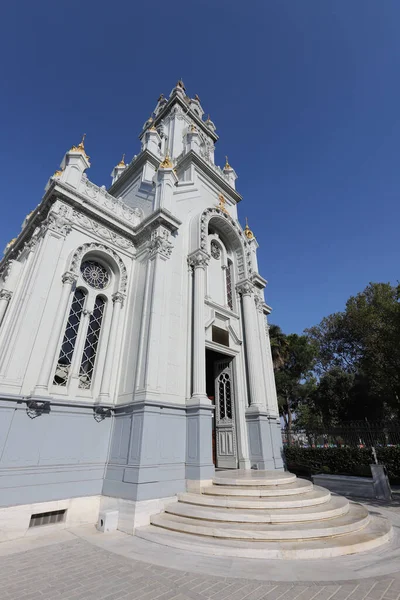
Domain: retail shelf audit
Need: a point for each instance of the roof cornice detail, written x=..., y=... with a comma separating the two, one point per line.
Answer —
x=135, y=165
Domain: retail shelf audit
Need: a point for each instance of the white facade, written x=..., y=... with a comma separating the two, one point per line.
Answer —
x=126, y=317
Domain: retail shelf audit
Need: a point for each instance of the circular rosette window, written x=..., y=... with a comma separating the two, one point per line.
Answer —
x=97, y=276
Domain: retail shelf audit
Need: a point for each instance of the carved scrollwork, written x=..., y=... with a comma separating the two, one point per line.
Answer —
x=101, y=230
x=118, y=298
x=69, y=277
x=259, y=304
x=159, y=243
x=5, y=295
x=199, y=259
x=245, y=288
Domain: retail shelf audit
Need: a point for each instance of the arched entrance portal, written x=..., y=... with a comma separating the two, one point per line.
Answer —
x=221, y=391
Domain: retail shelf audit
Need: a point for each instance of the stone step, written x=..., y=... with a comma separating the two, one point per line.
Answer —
x=375, y=534
x=316, y=496
x=253, y=478
x=356, y=518
x=335, y=508
x=299, y=486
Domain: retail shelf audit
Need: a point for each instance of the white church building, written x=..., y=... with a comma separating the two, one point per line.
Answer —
x=134, y=349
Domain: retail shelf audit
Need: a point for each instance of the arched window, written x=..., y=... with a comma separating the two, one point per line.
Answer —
x=80, y=345
x=91, y=343
x=70, y=336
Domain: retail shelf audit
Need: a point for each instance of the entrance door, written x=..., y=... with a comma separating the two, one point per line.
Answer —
x=225, y=415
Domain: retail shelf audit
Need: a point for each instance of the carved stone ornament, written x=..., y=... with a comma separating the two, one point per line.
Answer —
x=118, y=298
x=199, y=259
x=5, y=270
x=69, y=277
x=5, y=295
x=245, y=288
x=57, y=223
x=99, y=196
x=85, y=248
x=159, y=243
x=215, y=250
x=259, y=304
x=101, y=230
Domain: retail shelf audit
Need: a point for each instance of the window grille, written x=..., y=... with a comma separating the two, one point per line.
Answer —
x=91, y=343
x=69, y=341
x=95, y=274
x=225, y=398
x=229, y=295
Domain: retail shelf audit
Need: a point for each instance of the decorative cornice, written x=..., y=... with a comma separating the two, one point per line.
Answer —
x=101, y=230
x=198, y=259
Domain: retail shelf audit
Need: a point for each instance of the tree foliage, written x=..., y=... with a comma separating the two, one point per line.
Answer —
x=345, y=368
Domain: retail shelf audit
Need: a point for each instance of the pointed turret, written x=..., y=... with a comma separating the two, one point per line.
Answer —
x=73, y=165
x=229, y=173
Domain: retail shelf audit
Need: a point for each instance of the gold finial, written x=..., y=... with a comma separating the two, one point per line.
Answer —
x=11, y=243
x=161, y=98
x=208, y=118
x=166, y=163
x=227, y=165
x=152, y=128
x=180, y=84
x=197, y=98
x=80, y=147
x=58, y=173
x=247, y=231
x=222, y=203
x=122, y=162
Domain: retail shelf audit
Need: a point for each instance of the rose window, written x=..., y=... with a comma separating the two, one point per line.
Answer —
x=95, y=274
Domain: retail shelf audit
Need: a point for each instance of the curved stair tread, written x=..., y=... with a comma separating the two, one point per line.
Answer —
x=253, y=478
x=337, y=506
x=375, y=534
x=316, y=496
x=299, y=486
x=356, y=518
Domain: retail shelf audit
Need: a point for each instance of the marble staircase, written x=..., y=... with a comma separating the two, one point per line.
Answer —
x=266, y=514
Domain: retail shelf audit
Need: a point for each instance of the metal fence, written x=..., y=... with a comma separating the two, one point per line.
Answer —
x=353, y=434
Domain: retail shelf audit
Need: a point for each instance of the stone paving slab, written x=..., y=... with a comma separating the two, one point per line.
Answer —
x=79, y=570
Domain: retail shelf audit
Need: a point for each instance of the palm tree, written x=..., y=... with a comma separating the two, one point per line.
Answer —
x=279, y=346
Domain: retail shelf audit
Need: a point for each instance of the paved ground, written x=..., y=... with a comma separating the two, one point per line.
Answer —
x=78, y=570
x=83, y=564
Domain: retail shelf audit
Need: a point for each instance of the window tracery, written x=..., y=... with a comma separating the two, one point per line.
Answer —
x=91, y=344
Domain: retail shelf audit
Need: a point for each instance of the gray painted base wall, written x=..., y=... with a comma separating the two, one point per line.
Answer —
x=265, y=443
x=59, y=454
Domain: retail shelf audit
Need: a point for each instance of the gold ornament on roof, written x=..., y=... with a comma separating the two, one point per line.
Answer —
x=166, y=163
x=227, y=165
x=181, y=84
x=11, y=243
x=222, y=203
x=197, y=98
x=161, y=98
x=122, y=162
x=247, y=231
x=59, y=172
x=80, y=147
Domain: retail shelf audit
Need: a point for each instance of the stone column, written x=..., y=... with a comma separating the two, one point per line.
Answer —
x=254, y=363
x=260, y=434
x=199, y=261
x=118, y=300
x=5, y=297
x=68, y=280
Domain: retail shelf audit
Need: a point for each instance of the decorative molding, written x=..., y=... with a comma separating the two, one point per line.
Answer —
x=5, y=270
x=5, y=295
x=85, y=248
x=101, y=230
x=69, y=277
x=159, y=243
x=100, y=196
x=199, y=259
x=259, y=304
x=56, y=222
x=245, y=288
x=118, y=298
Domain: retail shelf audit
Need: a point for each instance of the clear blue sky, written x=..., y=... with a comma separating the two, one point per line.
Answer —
x=305, y=95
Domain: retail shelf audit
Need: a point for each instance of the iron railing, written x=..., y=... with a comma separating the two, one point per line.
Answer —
x=353, y=434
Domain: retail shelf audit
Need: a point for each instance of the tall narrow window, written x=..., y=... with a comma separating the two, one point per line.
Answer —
x=91, y=343
x=69, y=341
x=229, y=295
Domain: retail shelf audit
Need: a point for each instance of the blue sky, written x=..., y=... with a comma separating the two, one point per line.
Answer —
x=305, y=95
